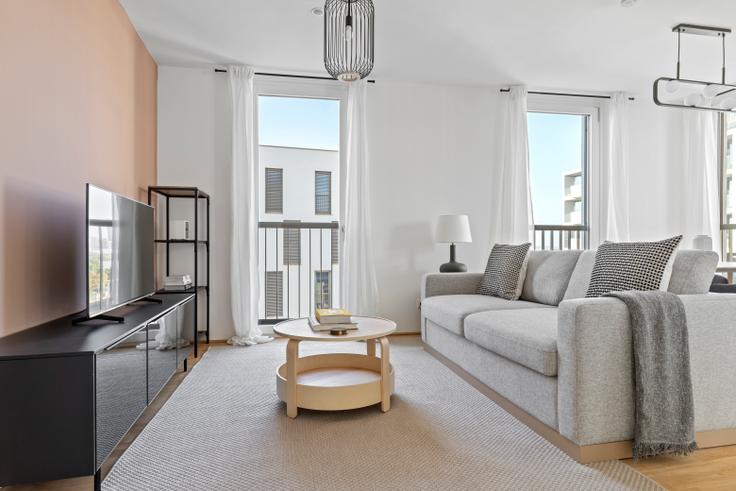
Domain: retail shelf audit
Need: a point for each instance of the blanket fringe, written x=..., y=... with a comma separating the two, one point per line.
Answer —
x=643, y=450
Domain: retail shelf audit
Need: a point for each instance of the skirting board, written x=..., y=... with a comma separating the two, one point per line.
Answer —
x=582, y=453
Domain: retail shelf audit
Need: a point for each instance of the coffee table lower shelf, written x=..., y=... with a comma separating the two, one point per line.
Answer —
x=336, y=381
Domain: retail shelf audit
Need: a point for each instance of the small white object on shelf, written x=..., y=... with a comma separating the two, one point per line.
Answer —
x=179, y=229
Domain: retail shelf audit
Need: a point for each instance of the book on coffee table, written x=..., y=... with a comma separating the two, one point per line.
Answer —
x=322, y=327
x=333, y=316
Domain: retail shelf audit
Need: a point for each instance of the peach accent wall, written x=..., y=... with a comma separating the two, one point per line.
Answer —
x=77, y=105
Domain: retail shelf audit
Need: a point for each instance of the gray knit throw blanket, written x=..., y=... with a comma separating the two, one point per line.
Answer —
x=663, y=397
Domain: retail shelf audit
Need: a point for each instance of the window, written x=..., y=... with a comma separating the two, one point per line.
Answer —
x=322, y=290
x=559, y=149
x=299, y=129
x=274, y=190
x=292, y=243
x=728, y=191
x=322, y=193
x=274, y=294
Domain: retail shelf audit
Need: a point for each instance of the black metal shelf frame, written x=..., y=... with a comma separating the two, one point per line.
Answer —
x=196, y=194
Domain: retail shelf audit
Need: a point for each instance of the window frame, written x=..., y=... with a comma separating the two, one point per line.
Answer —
x=592, y=109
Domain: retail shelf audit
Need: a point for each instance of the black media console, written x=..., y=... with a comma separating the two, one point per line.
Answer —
x=69, y=393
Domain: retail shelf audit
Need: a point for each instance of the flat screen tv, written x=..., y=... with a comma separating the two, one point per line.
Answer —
x=119, y=251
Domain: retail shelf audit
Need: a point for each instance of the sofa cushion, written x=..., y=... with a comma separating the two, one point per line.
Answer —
x=505, y=271
x=692, y=272
x=449, y=311
x=528, y=337
x=641, y=266
x=547, y=275
x=580, y=278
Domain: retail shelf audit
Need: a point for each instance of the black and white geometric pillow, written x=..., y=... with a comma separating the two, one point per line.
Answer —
x=505, y=271
x=642, y=266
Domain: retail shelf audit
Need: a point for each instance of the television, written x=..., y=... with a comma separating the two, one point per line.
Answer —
x=120, y=251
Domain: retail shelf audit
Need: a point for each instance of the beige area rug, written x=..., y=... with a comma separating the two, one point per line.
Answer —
x=225, y=429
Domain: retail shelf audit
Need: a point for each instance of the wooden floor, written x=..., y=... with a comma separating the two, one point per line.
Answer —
x=709, y=469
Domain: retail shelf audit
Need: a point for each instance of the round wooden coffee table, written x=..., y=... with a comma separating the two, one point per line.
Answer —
x=336, y=381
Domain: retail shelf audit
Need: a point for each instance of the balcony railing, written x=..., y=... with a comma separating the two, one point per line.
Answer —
x=560, y=237
x=728, y=242
x=299, y=269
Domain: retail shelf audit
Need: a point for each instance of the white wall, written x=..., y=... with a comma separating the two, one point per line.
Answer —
x=194, y=149
x=432, y=149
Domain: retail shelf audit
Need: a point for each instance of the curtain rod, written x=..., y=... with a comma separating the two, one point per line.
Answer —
x=592, y=96
x=288, y=75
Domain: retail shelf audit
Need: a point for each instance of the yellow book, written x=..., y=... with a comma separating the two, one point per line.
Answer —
x=332, y=316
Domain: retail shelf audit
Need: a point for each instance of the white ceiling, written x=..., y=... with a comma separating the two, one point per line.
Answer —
x=592, y=45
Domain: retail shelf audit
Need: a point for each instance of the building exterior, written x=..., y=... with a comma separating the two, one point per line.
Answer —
x=298, y=240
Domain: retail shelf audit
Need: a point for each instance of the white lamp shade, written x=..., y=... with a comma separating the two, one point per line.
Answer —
x=453, y=229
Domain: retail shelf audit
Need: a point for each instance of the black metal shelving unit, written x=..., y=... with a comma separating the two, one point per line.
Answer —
x=195, y=194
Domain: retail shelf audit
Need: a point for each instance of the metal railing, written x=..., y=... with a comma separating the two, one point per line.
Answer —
x=299, y=268
x=728, y=242
x=560, y=237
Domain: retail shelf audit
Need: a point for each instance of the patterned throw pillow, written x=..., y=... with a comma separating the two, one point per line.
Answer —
x=642, y=266
x=505, y=271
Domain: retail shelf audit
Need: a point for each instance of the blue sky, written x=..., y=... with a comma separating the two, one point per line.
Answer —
x=555, y=147
x=555, y=143
x=297, y=122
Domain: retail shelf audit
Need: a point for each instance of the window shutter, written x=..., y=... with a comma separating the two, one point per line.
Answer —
x=322, y=193
x=292, y=244
x=274, y=190
x=274, y=294
x=335, y=239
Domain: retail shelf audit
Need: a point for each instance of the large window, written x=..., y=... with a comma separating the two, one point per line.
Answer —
x=299, y=137
x=559, y=156
x=728, y=191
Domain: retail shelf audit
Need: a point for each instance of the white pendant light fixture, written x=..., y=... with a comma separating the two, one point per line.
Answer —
x=696, y=94
x=348, y=44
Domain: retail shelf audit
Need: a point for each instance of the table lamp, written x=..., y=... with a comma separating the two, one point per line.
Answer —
x=452, y=229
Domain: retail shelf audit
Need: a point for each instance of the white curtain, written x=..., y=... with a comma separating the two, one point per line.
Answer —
x=700, y=192
x=358, y=288
x=513, y=222
x=244, y=246
x=615, y=170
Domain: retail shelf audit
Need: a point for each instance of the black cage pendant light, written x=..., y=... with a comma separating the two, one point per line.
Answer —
x=349, y=39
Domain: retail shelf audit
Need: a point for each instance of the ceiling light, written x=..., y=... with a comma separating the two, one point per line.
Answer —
x=628, y=3
x=317, y=11
x=696, y=94
x=348, y=39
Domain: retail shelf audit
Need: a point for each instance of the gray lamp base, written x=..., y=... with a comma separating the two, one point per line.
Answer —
x=453, y=266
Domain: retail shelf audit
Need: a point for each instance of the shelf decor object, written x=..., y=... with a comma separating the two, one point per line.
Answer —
x=452, y=229
x=348, y=39
x=198, y=288
x=696, y=94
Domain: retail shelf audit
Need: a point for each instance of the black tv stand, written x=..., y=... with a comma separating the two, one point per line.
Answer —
x=102, y=317
x=69, y=394
x=150, y=299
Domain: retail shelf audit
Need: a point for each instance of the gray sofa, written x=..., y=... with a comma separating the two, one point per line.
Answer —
x=563, y=363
